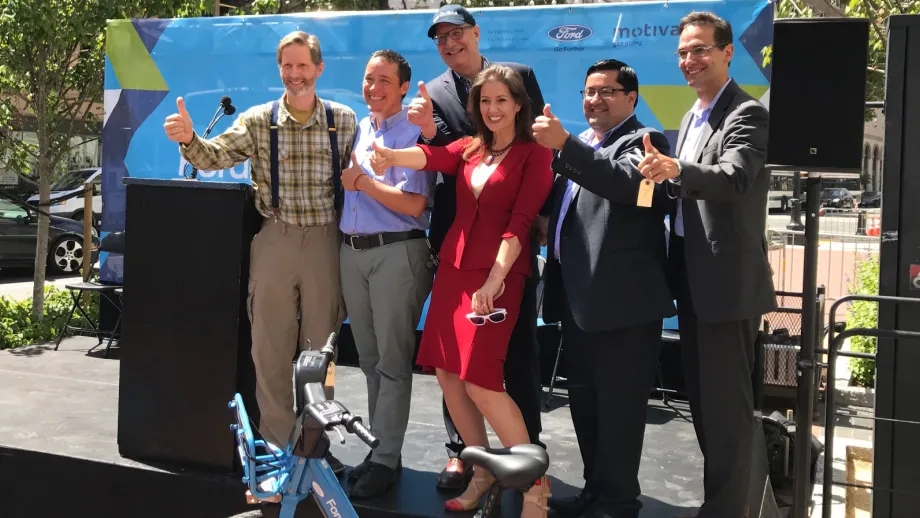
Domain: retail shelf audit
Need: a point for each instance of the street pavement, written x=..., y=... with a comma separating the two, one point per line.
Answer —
x=17, y=284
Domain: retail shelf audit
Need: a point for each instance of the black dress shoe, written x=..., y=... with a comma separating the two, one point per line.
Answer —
x=455, y=475
x=337, y=467
x=359, y=470
x=376, y=480
x=572, y=506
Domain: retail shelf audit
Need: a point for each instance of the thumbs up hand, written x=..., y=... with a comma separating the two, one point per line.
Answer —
x=352, y=175
x=179, y=126
x=381, y=158
x=548, y=130
x=421, y=112
x=656, y=166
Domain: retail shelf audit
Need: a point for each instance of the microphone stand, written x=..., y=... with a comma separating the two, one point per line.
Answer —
x=216, y=117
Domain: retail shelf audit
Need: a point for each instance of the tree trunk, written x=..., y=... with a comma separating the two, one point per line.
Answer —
x=44, y=197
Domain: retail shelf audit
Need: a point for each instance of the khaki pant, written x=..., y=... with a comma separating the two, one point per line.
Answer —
x=291, y=270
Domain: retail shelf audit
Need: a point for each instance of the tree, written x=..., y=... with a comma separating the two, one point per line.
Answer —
x=51, y=67
x=876, y=11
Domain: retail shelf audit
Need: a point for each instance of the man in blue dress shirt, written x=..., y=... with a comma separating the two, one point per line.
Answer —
x=385, y=266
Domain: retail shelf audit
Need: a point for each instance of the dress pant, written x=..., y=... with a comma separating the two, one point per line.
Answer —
x=610, y=379
x=522, y=367
x=719, y=362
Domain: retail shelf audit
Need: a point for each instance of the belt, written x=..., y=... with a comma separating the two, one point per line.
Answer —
x=364, y=242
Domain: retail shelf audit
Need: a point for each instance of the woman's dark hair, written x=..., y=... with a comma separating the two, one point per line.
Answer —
x=523, y=121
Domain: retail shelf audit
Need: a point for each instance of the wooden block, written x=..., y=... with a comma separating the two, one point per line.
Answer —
x=859, y=471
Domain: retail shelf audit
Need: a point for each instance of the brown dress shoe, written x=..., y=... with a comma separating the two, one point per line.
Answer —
x=455, y=475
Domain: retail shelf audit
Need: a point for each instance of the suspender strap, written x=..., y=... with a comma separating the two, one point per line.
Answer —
x=273, y=139
x=336, y=162
x=339, y=193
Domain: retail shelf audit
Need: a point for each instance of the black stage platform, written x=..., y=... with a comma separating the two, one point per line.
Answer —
x=59, y=457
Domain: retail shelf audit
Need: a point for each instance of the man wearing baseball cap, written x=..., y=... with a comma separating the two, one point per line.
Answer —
x=440, y=112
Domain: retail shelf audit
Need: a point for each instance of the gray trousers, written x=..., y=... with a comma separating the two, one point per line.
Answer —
x=385, y=290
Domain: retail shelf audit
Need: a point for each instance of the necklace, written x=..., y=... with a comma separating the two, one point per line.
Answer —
x=496, y=153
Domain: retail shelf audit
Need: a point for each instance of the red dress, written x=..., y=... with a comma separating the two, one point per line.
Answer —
x=507, y=206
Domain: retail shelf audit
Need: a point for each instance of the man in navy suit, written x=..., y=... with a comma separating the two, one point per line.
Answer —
x=606, y=281
x=440, y=112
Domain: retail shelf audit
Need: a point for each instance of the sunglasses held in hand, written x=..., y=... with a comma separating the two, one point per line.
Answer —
x=496, y=317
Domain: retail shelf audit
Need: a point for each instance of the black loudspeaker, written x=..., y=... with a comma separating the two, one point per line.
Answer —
x=185, y=329
x=818, y=94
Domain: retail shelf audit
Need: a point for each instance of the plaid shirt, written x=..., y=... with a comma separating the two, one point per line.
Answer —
x=305, y=190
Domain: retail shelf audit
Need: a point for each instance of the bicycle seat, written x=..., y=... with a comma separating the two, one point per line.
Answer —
x=517, y=467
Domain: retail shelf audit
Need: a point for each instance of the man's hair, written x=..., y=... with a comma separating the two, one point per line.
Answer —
x=722, y=30
x=403, y=70
x=523, y=122
x=626, y=76
x=301, y=38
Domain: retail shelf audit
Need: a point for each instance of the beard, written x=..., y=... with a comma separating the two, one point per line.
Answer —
x=299, y=89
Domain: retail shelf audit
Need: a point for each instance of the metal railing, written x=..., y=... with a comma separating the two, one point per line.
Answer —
x=835, y=341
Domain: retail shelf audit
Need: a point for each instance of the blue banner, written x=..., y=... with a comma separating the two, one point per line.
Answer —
x=151, y=62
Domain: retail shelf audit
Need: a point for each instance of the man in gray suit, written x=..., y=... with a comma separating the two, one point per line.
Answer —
x=606, y=281
x=718, y=255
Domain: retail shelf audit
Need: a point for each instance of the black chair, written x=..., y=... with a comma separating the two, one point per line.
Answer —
x=541, y=264
x=111, y=243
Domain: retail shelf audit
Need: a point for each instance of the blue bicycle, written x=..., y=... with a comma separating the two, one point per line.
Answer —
x=291, y=475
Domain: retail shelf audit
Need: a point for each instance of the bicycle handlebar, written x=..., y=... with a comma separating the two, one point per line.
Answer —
x=353, y=424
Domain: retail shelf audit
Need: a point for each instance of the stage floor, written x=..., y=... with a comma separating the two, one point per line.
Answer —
x=58, y=451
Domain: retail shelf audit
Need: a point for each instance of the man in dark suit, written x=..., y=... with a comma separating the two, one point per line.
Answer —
x=440, y=112
x=721, y=276
x=606, y=282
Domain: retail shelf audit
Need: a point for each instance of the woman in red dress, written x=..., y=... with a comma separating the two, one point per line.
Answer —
x=504, y=177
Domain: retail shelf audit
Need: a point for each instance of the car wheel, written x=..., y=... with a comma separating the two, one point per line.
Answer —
x=65, y=255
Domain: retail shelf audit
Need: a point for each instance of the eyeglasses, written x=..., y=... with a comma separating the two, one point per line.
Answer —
x=454, y=34
x=605, y=93
x=698, y=51
x=496, y=317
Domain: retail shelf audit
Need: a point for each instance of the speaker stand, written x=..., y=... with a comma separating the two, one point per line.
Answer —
x=795, y=222
x=806, y=360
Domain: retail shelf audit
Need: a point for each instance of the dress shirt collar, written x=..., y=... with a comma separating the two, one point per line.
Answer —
x=701, y=113
x=468, y=83
x=285, y=116
x=391, y=121
x=588, y=136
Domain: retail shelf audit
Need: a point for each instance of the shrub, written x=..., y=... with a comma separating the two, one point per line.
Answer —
x=863, y=314
x=18, y=329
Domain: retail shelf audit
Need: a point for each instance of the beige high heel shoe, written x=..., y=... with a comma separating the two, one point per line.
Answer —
x=469, y=500
x=536, y=500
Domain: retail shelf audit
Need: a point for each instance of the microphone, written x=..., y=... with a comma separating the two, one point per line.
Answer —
x=226, y=108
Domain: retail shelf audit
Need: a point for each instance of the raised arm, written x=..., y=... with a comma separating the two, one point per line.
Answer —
x=744, y=153
x=226, y=150
x=443, y=159
x=615, y=178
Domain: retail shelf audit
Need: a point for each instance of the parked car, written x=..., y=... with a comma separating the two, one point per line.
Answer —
x=870, y=199
x=18, y=232
x=837, y=197
x=67, y=195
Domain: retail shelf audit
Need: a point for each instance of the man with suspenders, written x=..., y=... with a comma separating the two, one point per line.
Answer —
x=298, y=146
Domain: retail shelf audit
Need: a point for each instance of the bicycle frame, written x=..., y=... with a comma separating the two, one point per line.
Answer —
x=281, y=475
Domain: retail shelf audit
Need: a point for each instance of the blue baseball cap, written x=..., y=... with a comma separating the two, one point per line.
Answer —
x=453, y=14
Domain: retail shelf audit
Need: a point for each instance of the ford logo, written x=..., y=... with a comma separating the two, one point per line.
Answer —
x=569, y=33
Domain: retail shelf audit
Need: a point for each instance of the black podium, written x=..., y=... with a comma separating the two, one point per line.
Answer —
x=186, y=331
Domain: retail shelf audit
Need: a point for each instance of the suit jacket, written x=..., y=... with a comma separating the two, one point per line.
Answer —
x=507, y=205
x=613, y=251
x=453, y=123
x=723, y=194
